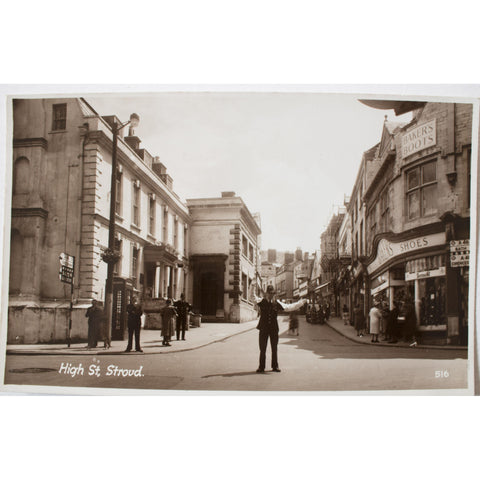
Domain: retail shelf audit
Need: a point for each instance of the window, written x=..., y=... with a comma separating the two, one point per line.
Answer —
x=175, y=233
x=59, y=116
x=244, y=245
x=136, y=203
x=422, y=191
x=384, y=210
x=151, y=215
x=134, y=273
x=118, y=193
x=250, y=252
x=117, y=267
x=165, y=224
x=469, y=177
x=244, y=286
x=21, y=176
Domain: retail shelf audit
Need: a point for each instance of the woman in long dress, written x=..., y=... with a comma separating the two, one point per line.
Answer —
x=375, y=317
x=168, y=322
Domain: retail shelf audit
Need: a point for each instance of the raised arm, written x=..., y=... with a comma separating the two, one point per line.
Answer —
x=291, y=307
x=252, y=297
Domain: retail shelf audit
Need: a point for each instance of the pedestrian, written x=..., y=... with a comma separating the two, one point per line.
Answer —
x=327, y=311
x=393, y=323
x=168, y=314
x=385, y=329
x=183, y=309
x=320, y=315
x=345, y=314
x=293, y=324
x=375, y=318
x=359, y=320
x=268, y=324
x=410, y=322
x=94, y=314
x=134, y=312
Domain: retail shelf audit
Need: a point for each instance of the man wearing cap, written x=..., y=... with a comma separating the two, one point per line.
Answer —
x=268, y=324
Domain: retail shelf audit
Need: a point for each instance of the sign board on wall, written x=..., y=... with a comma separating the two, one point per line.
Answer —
x=459, y=253
x=419, y=138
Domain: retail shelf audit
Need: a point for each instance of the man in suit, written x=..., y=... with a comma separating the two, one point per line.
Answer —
x=268, y=324
x=134, y=311
x=183, y=309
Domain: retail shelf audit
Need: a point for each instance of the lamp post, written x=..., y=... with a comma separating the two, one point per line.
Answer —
x=111, y=256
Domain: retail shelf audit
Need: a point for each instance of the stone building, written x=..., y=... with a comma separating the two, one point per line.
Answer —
x=224, y=257
x=62, y=158
x=418, y=218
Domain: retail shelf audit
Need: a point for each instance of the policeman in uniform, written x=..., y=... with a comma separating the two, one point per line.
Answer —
x=268, y=324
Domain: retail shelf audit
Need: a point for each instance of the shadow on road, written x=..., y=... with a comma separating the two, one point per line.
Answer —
x=235, y=374
x=323, y=341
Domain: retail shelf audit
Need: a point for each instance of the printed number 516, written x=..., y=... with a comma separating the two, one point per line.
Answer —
x=441, y=374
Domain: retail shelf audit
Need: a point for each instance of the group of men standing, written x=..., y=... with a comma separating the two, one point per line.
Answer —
x=174, y=318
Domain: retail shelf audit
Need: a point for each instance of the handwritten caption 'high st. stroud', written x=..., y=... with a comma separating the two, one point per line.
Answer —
x=95, y=371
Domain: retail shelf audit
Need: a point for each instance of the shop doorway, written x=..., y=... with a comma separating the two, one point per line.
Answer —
x=209, y=299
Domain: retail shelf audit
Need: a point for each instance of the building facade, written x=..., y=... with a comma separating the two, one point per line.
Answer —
x=224, y=258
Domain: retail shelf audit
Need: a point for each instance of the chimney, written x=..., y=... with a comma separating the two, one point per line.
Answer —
x=133, y=142
x=228, y=194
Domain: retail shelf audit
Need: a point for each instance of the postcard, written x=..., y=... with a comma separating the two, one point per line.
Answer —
x=296, y=239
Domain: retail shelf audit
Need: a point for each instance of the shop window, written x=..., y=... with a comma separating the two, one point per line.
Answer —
x=59, y=116
x=432, y=301
x=422, y=191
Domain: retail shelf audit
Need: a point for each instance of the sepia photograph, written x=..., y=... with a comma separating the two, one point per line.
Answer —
x=239, y=240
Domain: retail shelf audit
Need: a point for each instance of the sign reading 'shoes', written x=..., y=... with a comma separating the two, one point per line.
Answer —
x=420, y=137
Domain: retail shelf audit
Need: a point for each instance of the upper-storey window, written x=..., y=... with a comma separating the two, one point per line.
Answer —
x=118, y=193
x=136, y=203
x=151, y=215
x=422, y=191
x=384, y=211
x=59, y=117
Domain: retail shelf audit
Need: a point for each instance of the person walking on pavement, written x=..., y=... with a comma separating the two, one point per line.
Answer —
x=393, y=323
x=168, y=314
x=268, y=324
x=375, y=318
x=134, y=312
x=345, y=315
x=327, y=311
x=183, y=308
x=94, y=315
x=359, y=320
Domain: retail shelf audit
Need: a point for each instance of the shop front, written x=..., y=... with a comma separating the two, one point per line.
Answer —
x=418, y=269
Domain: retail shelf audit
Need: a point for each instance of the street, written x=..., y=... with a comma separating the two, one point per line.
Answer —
x=319, y=359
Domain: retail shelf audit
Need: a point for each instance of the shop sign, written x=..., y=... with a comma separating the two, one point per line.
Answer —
x=387, y=250
x=419, y=138
x=439, y=272
x=459, y=253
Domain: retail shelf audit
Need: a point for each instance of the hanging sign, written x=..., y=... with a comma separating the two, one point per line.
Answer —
x=67, y=268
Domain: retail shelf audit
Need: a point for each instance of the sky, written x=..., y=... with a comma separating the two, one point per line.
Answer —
x=292, y=157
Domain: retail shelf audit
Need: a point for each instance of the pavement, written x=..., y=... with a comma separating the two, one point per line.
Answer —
x=348, y=331
x=196, y=337
x=150, y=340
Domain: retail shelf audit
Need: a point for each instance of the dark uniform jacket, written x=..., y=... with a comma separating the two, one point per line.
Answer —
x=134, y=314
x=268, y=315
